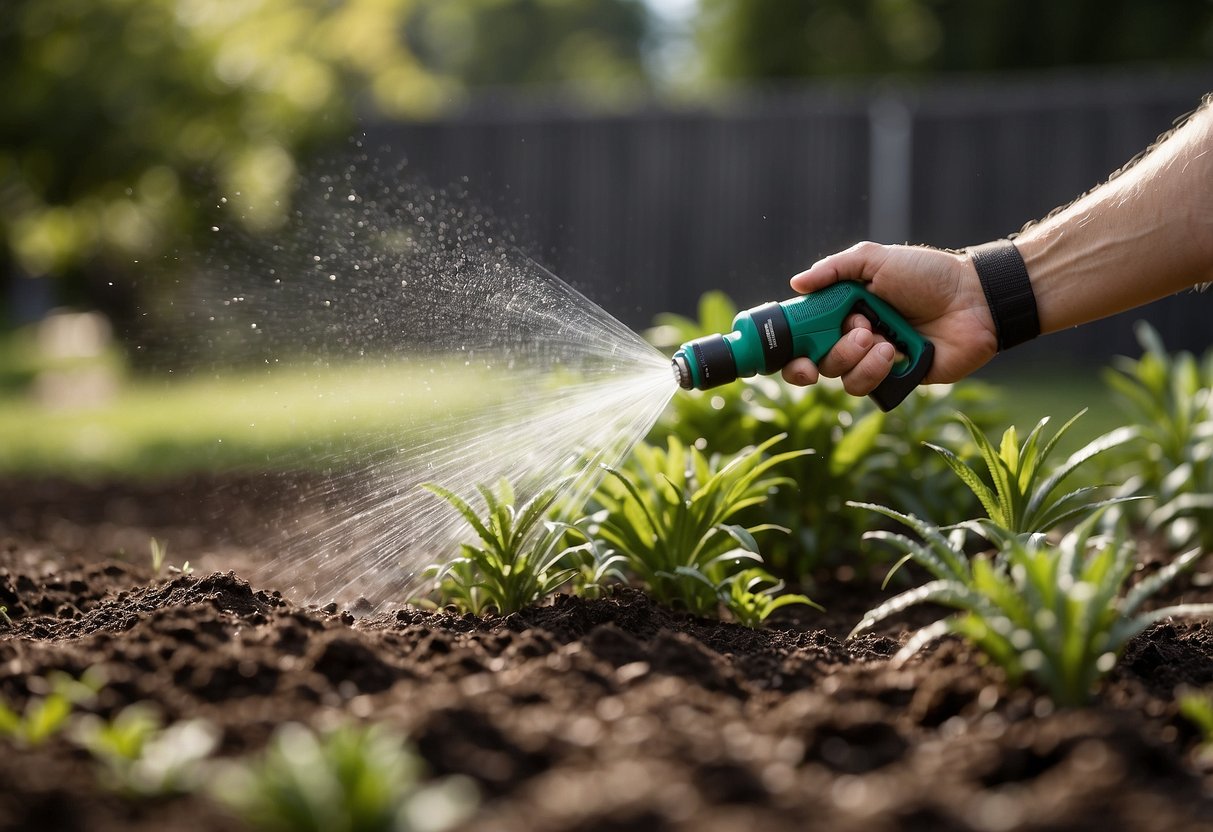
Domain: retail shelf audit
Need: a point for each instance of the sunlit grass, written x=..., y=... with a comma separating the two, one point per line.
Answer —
x=308, y=417
x=1028, y=395
x=289, y=418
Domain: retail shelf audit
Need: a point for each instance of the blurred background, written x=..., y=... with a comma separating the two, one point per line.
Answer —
x=647, y=151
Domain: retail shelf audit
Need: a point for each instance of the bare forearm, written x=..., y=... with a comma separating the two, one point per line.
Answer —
x=1146, y=234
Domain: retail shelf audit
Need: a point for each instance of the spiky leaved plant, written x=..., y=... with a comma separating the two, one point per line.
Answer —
x=1169, y=400
x=669, y=515
x=1020, y=491
x=143, y=758
x=518, y=561
x=751, y=595
x=1060, y=614
x=352, y=778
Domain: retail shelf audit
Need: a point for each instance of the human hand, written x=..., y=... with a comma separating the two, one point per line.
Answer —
x=936, y=291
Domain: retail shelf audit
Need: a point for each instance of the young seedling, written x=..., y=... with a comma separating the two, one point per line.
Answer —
x=1021, y=496
x=159, y=552
x=352, y=779
x=1197, y=707
x=517, y=561
x=595, y=564
x=1059, y=614
x=669, y=514
x=753, y=594
x=141, y=758
x=46, y=712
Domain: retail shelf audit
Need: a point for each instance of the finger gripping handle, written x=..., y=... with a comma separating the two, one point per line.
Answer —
x=907, y=373
x=816, y=321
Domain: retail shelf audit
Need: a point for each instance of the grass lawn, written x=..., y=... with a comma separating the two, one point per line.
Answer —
x=1029, y=396
x=291, y=418
x=309, y=417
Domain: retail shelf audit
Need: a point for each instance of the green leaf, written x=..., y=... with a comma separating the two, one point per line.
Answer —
x=463, y=508
x=857, y=442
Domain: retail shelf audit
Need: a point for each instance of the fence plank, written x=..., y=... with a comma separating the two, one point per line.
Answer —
x=646, y=210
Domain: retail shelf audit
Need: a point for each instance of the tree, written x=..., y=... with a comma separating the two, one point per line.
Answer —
x=125, y=119
x=594, y=43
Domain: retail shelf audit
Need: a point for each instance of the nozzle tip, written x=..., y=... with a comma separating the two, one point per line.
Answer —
x=682, y=372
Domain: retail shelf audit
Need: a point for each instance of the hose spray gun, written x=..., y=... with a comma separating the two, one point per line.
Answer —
x=769, y=336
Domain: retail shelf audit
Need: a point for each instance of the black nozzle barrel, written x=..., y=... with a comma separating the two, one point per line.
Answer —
x=715, y=361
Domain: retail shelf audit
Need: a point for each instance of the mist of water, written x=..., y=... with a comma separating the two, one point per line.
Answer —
x=480, y=365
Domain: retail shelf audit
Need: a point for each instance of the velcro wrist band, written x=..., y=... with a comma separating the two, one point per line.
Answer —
x=1004, y=279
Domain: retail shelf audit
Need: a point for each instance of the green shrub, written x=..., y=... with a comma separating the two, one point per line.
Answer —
x=1060, y=614
x=669, y=515
x=518, y=561
x=1169, y=401
x=1019, y=492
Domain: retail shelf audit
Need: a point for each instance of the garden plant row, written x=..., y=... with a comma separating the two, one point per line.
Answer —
x=528, y=712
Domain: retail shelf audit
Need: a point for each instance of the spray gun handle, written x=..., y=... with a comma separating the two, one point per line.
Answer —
x=816, y=320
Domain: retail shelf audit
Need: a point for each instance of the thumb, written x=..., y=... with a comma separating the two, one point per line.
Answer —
x=860, y=262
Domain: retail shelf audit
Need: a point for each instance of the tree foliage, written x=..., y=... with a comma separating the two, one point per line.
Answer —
x=597, y=44
x=122, y=117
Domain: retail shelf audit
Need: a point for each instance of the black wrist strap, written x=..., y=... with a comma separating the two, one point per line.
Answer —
x=1004, y=279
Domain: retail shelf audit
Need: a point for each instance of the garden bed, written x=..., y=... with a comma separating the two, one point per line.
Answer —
x=604, y=714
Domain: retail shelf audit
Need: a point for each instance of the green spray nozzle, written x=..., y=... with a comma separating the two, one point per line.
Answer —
x=767, y=337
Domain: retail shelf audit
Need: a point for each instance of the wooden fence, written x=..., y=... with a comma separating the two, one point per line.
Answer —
x=645, y=210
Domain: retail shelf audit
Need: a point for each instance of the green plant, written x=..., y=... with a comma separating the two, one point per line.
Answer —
x=518, y=561
x=8, y=622
x=1061, y=614
x=1169, y=399
x=349, y=779
x=1020, y=492
x=594, y=563
x=753, y=594
x=716, y=311
x=861, y=453
x=159, y=552
x=143, y=758
x=669, y=515
x=1197, y=707
x=48, y=708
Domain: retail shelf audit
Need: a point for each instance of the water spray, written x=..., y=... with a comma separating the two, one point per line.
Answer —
x=767, y=337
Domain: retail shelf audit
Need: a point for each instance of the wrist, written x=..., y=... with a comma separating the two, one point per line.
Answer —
x=1003, y=276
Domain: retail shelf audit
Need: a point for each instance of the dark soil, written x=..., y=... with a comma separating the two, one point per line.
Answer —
x=608, y=714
